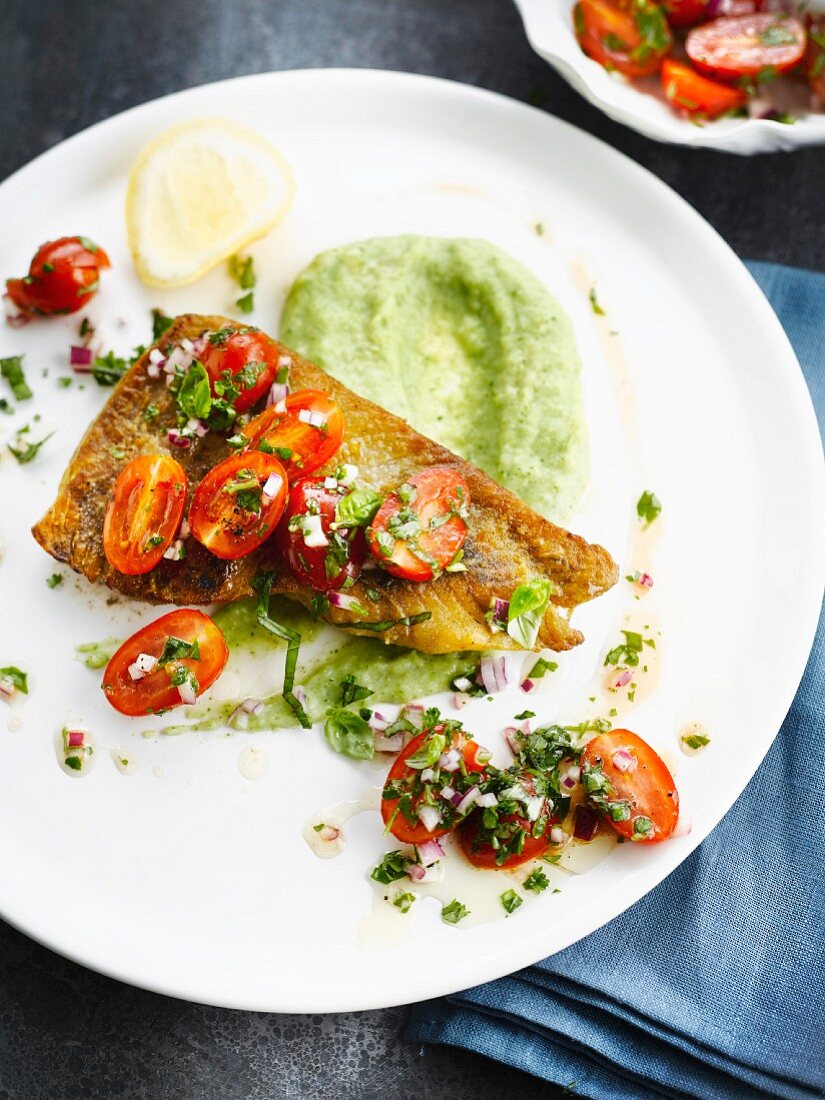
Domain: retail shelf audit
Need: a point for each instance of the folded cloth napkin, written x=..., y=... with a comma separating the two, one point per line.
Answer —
x=712, y=986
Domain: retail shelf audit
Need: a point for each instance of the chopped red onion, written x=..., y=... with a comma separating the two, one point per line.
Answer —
x=300, y=695
x=271, y=486
x=585, y=823
x=343, y=600
x=7, y=689
x=196, y=427
x=430, y=851
x=624, y=678
x=177, y=359
x=557, y=835
x=146, y=662
x=645, y=581
x=449, y=761
x=624, y=761
x=499, y=614
x=378, y=722
x=178, y=439
x=394, y=743
x=468, y=799
x=527, y=685
x=485, y=800
x=427, y=775
x=414, y=714
x=278, y=393
x=429, y=816
x=330, y=482
x=683, y=826
x=80, y=356
x=199, y=344
x=513, y=739
x=238, y=717
x=15, y=317
x=433, y=873
x=187, y=693
x=187, y=346
x=156, y=357
x=463, y=683
x=175, y=552
x=493, y=671
x=460, y=699
x=348, y=474
x=184, y=528
x=153, y=370
x=534, y=807
x=570, y=777
x=135, y=672
x=75, y=739
x=329, y=833
x=314, y=535
x=311, y=417
x=447, y=793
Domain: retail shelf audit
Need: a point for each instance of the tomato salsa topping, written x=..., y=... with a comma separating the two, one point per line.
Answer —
x=244, y=358
x=238, y=504
x=165, y=664
x=304, y=430
x=319, y=548
x=144, y=513
x=419, y=530
x=63, y=277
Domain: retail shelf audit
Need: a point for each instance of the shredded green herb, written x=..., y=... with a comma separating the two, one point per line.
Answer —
x=454, y=912
x=19, y=678
x=12, y=370
x=263, y=585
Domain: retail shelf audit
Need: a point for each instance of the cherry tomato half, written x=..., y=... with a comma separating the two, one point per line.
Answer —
x=189, y=654
x=815, y=56
x=630, y=36
x=684, y=13
x=405, y=794
x=746, y=45
x=512, y=840
x=328, y=566
x=144, y=513
x=641, y=801
x=420, y=528
x=694, y=94
x=238, y=504
x=246, y=358
x=305, y=433
x=63, y=277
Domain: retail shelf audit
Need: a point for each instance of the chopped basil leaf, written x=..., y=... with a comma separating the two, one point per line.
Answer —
x=404, y=901
x=54, y=580
x=525, y=714
x=527, y=606
x=176, y=649
x=150, y=412
x=454, y=912
x=536, y=881
x=12, y=370
x=242, y=269
x=108, y=369
x=19, y=678
x=648, y=506
x=160, y=323
x=628, y=652
x=540, y=668
x=510, y=901
x=695, y=741
x=357, y=508
x=594, y=301
x=27, y=453
x=428, y=753
x=319, y=605
x=351, y=692
x=391, y=868
x=6, y=407
x=195, y=396
x=349, y=734
x=642, y=827
x=246, y=303
x=88, y=244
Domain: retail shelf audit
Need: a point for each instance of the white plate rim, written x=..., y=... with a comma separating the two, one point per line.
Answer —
x=627, y=893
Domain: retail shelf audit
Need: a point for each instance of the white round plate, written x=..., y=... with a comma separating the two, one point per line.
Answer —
x=187, y=878
x=549, y=27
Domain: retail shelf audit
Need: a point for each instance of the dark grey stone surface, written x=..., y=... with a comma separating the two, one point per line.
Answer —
x=64, y=1031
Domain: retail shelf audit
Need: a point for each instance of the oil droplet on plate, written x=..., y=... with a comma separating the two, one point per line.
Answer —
x=253, y=762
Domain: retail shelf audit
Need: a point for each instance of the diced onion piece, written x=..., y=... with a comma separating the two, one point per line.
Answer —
x=433, y=873
x=485, y=800
x=468, y=799
x=461, y=699
x=463, y=683
x=557, y=835
x=7, y=690
x=429, y=816
x=624, y=761
x=278, y=393
x=449, y=761
x=313, y=532
x=430, y=851
x=447, y=793
x=344, y=600
x=175, y=552
x=178, y=439
x=271, y=487
x=493, y=671
x=15, y=317
x=534, y=807
x=427, y=775
x=395, y=743
x=80, y=356
x=187, y=692
x=156, y=357
x=348, y=474
x=312, y=417
x=414, y=714
x=624, y=678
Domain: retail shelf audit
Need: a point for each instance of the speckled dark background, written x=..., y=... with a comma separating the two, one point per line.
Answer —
x=64, y=1031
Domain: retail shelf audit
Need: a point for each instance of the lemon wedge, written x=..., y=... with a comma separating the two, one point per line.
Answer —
x=199, y=193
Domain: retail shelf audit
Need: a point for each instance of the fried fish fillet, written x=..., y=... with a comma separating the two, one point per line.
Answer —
x=508, y=544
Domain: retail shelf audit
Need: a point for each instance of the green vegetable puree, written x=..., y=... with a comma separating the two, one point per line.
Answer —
x=464, y=343
x=394, y=674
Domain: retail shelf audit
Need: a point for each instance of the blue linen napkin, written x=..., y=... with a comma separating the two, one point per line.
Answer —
x=712, y=986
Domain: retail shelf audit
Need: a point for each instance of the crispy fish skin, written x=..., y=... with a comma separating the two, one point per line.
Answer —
x=508, y=544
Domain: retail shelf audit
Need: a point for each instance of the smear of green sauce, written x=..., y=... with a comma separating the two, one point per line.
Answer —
x=463, y=342
x=98, y=654
x=394, y=674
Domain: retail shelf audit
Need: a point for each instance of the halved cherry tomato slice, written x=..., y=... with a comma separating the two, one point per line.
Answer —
x=63, y=277
x=630, y=36
x=684, y=13
x=746, y=45
x=144, y=513
x=420, y=528
x=305, y=432
x=630, y=785
x=165, y=664
x=405, y=795
x=815, y=56
x=306, y=522
x=693, y=94
x=238, y=504
x=513, y=839
x=246, y=358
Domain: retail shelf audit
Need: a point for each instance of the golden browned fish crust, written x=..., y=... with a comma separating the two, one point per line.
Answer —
x=508, y=544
